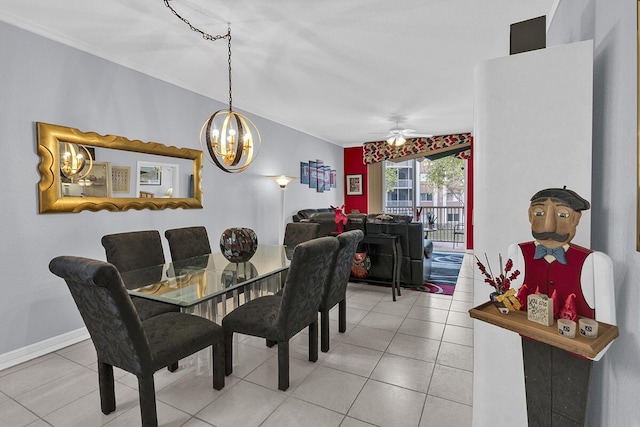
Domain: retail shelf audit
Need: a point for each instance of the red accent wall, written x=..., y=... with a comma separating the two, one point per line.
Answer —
x=353, y=165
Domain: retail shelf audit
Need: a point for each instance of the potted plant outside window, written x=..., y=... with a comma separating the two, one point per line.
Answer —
x=431, y=221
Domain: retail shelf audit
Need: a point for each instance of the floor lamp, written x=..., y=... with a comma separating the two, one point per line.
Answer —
x=282, y=181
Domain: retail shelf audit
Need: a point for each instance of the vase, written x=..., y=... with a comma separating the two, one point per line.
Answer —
x=238, y=244
x=493, y=296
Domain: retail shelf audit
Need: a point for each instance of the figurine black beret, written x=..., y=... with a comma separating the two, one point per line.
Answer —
x=569, y=197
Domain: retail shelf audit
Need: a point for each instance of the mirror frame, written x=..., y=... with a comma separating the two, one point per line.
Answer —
x=50, y=198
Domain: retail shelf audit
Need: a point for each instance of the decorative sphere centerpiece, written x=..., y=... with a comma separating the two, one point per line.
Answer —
x=238, y=244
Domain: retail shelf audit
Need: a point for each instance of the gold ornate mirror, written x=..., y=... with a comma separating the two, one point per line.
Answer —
x=87, y=171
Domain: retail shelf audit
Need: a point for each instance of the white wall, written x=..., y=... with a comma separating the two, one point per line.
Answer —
x=612, y=25
x=44, y=81
x=532, y=130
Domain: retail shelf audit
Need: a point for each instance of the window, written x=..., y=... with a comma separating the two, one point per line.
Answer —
x=426, y=197
x=436, y=184
x=400, y=197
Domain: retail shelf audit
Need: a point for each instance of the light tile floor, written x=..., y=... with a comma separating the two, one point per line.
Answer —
x=404, y=363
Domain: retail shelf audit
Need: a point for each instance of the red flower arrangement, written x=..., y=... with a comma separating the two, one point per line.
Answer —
x=502, y=282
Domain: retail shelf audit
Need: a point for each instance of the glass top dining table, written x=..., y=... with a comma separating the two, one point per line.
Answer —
x=192, y=281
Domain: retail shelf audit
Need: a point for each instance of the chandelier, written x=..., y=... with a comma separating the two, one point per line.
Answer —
x=73, y=159
x=232, y=140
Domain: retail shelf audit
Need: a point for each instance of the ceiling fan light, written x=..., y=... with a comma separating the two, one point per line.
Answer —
x=400, y=141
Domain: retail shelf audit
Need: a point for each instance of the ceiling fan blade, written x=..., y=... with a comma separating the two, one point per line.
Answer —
x=419, y=135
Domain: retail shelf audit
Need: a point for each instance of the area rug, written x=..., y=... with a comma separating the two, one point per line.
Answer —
x=445, y=268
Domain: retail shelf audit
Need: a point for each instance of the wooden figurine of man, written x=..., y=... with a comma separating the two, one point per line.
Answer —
x=557, y=382
x=552, y=263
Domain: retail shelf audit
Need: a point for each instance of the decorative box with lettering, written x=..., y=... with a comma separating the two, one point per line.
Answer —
x=540, y=309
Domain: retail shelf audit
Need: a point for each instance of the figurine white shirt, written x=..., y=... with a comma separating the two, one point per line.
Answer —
x=596, y=281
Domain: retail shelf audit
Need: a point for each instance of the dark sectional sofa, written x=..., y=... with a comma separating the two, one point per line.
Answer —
x=416, y=251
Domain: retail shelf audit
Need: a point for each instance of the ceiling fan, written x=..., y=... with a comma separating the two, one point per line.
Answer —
x=397, y=136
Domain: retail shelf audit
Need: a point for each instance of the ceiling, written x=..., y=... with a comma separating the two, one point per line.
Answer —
x=340, y=70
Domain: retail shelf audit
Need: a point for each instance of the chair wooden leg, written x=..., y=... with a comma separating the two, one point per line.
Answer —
x=342, y=316
x=228, y=352
x=147, y=392
x=106, y=385
x=219, y=367
x=283, y=365
x=313, y=341
x=324, y=331
x=173, y=367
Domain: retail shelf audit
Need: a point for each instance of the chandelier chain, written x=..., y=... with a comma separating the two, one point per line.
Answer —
x=208, y=36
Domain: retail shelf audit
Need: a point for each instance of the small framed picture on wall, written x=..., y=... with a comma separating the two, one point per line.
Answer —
x=313, y=174
x=304, y=173
x=320, y=175
x=354, y=185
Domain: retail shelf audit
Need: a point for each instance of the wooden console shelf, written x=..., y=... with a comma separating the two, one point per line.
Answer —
x=517, y=321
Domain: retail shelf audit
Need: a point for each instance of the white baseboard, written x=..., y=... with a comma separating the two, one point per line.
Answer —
x=38, y=349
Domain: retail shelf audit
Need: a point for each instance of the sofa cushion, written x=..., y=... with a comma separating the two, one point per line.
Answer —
x=327, y=222
x=305, y=214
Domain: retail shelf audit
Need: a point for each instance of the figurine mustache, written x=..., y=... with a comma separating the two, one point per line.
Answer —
x=546, y=235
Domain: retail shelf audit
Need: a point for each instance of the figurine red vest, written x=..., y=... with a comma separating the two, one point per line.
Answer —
x=564, y=279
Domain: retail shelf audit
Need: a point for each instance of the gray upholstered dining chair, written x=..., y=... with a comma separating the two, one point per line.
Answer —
x=298, y=232
x=279, y=317
x=336, y=288
x=135, y=250
x=188, y=242
x=123, y=340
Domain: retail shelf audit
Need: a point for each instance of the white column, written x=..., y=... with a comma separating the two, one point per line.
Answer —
x=532, y=130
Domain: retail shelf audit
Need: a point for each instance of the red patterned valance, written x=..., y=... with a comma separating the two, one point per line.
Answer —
x=375, y=152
